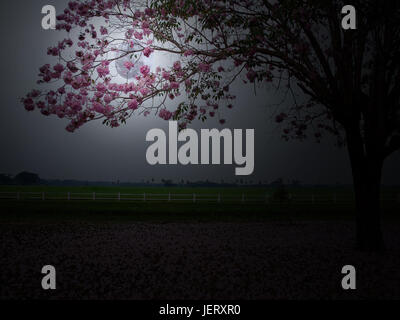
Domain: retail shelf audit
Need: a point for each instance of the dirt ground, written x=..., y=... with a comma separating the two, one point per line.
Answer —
x=273, y=260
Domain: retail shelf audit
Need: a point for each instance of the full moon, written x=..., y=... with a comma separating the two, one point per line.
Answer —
x=123, y=58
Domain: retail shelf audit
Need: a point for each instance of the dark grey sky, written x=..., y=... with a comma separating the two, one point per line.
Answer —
x=30, y=141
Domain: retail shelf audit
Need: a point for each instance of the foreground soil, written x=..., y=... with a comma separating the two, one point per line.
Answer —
x=272, y=260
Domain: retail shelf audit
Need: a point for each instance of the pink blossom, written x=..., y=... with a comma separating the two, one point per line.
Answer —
x=53, y=51
x=145, y=25
x=204, y=67
x=145, y=70
x=70, y=128
x=29, y=105
x=107, y=99
x=166, y=75
x=133, y=104
x=177, y=66
x=72, y=67
x=165, y=114
x=58, y=68
x=103, y=30
x=147, y=51
x=138, y=35
x=144, y=91
x=103, y=71
x=34, y=93
x=251, y=75
x=174, y=85
x=100, y=87
x=98, y=107
x=129, y=65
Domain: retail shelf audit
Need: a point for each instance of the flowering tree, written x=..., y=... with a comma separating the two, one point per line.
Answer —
x=351, y=79
x=88, y=90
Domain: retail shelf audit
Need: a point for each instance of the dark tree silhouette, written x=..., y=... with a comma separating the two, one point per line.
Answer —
x=5, y=179
x=26, y=178
x=352, y=78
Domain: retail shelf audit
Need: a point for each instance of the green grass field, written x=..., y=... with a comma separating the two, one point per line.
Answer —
x=120, y=204
x=258, y=204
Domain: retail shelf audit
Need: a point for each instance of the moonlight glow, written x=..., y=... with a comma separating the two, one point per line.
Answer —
x=128, y=64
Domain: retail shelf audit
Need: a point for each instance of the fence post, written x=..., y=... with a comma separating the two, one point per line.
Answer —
x=169, y=197
x=68, y=196
x=119, y=196
x=144, y=196
x=94, y=196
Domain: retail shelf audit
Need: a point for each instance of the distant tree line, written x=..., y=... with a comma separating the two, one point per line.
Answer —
x=22, y=178
x=29, y=178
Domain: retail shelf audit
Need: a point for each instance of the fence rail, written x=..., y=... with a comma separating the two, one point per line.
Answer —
x=189, y=197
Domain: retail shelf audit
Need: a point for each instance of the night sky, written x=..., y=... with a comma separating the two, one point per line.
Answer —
x=32, y=142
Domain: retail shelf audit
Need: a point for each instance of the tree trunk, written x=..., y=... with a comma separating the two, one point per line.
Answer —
x=366, y=170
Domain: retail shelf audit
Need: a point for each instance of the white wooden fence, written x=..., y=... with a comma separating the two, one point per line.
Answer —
x=306, y=198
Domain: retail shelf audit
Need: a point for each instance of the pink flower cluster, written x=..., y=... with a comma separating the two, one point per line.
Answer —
x=165, y=114
x=88, y=90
